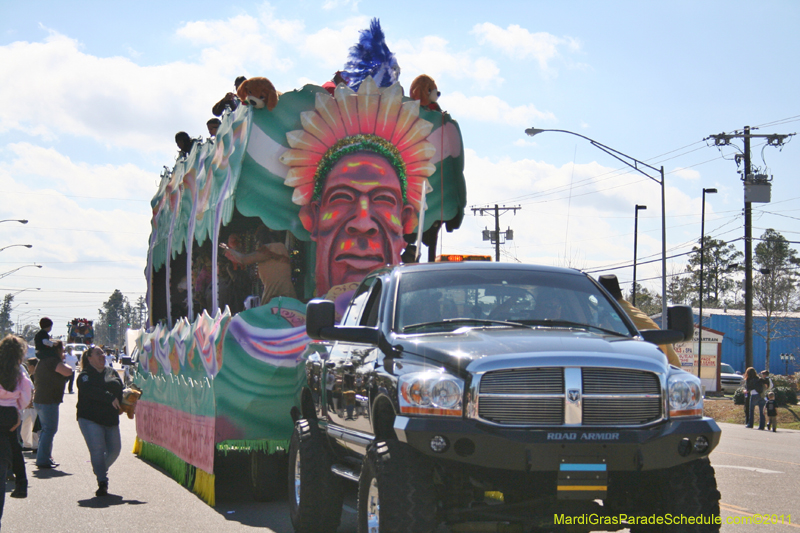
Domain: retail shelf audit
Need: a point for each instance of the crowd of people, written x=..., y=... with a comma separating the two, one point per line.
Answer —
x=31, y=392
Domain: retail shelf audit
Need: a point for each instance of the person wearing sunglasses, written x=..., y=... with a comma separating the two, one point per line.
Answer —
x=99, y=397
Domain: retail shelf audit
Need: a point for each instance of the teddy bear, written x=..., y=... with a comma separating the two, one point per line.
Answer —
x=129, y=398
x=424, y=89
x=258, y=92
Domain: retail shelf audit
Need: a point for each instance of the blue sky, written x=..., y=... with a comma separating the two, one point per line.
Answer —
x=95, y=91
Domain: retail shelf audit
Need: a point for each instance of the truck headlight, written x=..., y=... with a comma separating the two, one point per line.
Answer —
x=685, y=395
x=431, y=393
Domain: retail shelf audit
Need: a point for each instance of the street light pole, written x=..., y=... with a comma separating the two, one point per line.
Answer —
x=636, y=165
x=635, y=237
x=702, y=258
x=12, y=245
x=5, y=274
x=28, y=289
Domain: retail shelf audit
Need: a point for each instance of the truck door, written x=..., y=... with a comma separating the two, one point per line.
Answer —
x=348, y=370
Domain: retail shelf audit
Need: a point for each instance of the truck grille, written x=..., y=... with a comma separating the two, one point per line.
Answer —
x=539, y=397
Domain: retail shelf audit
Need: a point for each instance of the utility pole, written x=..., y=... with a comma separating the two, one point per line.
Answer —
x=756, y=189
x=495, y=235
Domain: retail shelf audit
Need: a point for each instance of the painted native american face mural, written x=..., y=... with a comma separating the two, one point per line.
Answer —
x=359, y=167
x=358, y=221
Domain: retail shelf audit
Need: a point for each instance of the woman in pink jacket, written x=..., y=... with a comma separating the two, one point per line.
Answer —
x=15, y=395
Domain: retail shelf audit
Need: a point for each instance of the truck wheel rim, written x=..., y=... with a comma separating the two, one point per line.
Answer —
x=373, y=507
x=297, y=479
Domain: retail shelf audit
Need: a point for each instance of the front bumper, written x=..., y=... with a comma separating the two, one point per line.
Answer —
x=543, y=450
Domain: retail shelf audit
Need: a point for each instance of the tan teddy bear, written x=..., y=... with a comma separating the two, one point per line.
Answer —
x=129, y=398
x=424, y=89
x=258, y=92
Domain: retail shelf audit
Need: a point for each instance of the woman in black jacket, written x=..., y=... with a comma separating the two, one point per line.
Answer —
x=755, y=386
x=99, y=397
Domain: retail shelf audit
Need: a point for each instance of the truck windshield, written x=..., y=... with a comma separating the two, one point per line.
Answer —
x=450, y=299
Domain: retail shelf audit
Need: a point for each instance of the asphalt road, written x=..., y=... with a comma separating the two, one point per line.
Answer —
x=758, y=472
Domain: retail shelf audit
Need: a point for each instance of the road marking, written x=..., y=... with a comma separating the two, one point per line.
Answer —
x=751, y=468
x=735, y=509
x=759, y=458
x=732, y=507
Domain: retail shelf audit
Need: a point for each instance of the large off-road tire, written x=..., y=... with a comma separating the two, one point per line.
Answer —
x=688, y=490
x=315, y=493
x=268, y=475
x=395, y=490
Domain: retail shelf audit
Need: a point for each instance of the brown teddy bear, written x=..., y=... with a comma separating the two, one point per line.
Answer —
x=129, y=398
x=258, y=92
x=424, y=89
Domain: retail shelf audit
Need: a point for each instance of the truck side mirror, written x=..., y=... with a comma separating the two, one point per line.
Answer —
x=319, y=314
x=680, y=324
x=681, y=318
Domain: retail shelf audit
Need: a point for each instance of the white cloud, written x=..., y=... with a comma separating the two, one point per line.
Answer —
x=331, y=45
x=111, y=100
x=518, y=43
x=493, y=109
x=688, y=174
x=112, y=181
x=431, y=56
x=230, y=43
x=333, y=4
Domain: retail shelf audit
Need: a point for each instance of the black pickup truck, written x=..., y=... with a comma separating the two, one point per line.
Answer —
x=507, y=396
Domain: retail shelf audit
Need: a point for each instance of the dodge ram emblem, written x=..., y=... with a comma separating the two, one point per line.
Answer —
x=574, y=395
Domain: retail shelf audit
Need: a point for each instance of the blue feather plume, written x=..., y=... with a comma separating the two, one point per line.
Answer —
x=371, y=57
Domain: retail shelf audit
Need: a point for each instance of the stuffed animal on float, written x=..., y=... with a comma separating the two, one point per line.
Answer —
x=259, y=93
x=129, y=398
x=371, y=57
x=424, y=89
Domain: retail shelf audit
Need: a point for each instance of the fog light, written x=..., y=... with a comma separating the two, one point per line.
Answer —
x=700, y=444
x=685, y=447
x=439, y=444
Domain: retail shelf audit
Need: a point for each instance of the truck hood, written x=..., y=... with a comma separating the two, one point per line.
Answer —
x=474, y=347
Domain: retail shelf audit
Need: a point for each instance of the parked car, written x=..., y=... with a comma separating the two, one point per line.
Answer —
x=729, y=380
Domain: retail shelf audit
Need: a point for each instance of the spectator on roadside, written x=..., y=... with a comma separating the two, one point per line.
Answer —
x=51, y=373
x=772, y=412
x=230, y=100
x=765, y=375
x=755, y=386
x=71, y=360
x=41, y=341
x=15, y=395
x=99, y=398
x=28, y=432
x=213, y=125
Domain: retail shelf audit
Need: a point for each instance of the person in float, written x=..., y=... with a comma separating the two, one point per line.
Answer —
x=272, y=261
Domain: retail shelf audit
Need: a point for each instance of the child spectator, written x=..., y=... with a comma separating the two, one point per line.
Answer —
x=772, y=412
x=41, y=341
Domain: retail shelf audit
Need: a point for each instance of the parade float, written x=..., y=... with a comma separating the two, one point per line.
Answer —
x=80, y=330
x=298, y=195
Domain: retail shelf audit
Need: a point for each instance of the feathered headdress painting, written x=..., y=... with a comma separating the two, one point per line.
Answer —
x=371, y=57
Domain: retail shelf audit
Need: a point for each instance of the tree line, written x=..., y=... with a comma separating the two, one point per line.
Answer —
x=115, y=316
x=776, y=291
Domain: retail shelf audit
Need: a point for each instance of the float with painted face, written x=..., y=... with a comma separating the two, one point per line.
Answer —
x=283, y=205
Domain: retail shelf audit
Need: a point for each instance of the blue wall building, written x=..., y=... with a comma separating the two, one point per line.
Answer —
x=731, y=323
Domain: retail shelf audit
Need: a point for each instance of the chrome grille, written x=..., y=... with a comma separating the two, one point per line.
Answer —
x=536, y=396
x=620, y=411
x=516, y=411
x=619, y=381
x=524, y=381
